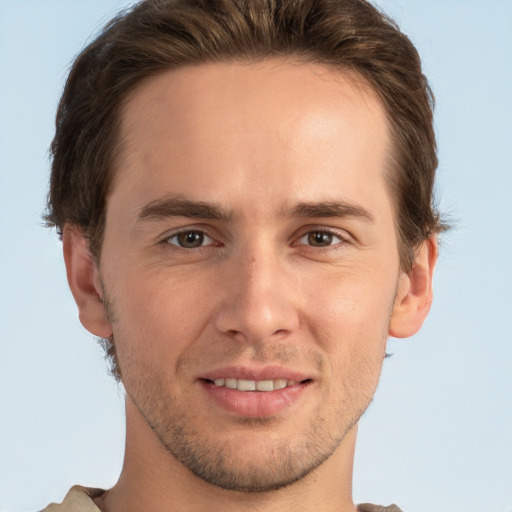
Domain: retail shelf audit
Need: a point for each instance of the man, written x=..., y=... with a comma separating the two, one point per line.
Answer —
x=244, y=194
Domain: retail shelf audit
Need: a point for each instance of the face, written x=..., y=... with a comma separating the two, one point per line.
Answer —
x=250, y=265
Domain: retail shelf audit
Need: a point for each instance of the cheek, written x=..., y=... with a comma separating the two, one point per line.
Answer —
x=349, y=318
x=156, y=317
x=351, y=329
x=356, y=301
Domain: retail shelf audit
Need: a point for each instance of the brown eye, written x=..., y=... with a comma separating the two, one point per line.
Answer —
x=320, y=238
x=190, y=239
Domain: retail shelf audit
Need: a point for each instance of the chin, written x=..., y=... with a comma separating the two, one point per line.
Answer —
x=256, y=470
x=250, y=460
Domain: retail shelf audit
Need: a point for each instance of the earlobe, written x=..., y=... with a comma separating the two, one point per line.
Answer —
x=83, y=279
x=414, y=295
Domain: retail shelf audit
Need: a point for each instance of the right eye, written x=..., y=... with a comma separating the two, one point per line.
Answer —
x=190, y=239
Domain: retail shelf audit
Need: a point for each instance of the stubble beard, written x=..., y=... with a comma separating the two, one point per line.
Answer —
x=281, y=458
x=278, y=464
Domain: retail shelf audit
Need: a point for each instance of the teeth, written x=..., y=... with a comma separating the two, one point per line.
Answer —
x=265, y=385
x=231, y=383
x=280, y=383
x=246, y=385
x=254, y=385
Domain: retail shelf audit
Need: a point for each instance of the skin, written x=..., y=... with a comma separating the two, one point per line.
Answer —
x=282, y=277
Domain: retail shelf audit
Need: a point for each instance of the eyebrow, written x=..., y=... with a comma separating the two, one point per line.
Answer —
x=178, y=206
x=331, y=209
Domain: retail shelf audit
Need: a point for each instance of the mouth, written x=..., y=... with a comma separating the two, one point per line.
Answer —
x=255, y=393
x=263, y=386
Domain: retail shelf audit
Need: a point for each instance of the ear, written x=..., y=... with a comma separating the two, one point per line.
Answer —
x=84, y=282
x=414, y=295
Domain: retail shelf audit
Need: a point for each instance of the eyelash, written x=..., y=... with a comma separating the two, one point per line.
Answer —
x=185, y=232
x=323, y=231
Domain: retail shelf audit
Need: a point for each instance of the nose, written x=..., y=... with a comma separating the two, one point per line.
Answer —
x=259, y=298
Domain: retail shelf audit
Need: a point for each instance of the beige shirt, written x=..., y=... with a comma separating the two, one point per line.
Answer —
x=80, y=499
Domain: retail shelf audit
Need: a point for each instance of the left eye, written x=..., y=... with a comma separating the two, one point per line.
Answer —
x=190, y=239
x=320, y=239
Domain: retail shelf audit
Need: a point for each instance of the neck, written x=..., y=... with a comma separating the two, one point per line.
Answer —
x=152, y=479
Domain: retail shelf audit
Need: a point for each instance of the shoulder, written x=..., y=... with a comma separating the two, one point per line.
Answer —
x=78, y=499
x=368, y=507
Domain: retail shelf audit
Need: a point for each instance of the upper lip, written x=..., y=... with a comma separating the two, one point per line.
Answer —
x=255, y=373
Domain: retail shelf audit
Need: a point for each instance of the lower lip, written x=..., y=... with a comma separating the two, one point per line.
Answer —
x=254, y=404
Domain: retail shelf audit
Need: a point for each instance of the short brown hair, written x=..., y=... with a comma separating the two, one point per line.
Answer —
x=157, y=35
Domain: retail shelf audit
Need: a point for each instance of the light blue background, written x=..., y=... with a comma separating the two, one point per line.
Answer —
x=439, y=433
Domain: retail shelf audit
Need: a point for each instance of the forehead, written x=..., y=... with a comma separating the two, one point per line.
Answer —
x=252, y=124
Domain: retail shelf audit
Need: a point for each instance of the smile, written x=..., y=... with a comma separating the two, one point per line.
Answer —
x=254, y=385
x=254, y=398
x=255, y=392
